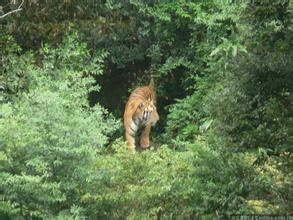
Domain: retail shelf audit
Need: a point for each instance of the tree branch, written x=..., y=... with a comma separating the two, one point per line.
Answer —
x=13, y=11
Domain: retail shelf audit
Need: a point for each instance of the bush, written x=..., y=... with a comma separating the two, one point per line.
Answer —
x=165, y=183
x=50, y=136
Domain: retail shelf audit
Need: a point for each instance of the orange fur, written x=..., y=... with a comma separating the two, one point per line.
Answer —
x=140, y=112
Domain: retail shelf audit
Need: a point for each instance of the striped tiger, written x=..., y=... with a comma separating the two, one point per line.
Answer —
x=140, y=112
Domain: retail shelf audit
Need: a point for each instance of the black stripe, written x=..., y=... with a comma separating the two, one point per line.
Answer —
x=132, y=129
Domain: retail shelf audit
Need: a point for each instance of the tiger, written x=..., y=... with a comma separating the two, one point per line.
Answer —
x=140, y=112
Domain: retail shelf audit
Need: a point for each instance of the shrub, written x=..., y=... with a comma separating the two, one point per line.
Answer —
x=50, y=136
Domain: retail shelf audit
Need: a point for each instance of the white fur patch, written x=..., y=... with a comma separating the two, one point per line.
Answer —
x=133, y=126
x=145, y=115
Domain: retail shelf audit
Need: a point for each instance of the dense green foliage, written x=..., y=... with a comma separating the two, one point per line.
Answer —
x=224, y=85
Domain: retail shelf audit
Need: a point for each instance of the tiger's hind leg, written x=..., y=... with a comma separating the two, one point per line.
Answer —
x=145, y=136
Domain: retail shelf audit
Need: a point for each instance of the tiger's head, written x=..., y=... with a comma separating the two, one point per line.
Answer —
x=146, y=112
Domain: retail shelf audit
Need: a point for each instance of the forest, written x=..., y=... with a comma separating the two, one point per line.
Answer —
x=223, y=145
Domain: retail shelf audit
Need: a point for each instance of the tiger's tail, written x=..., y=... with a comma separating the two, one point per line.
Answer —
x=152, y=83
